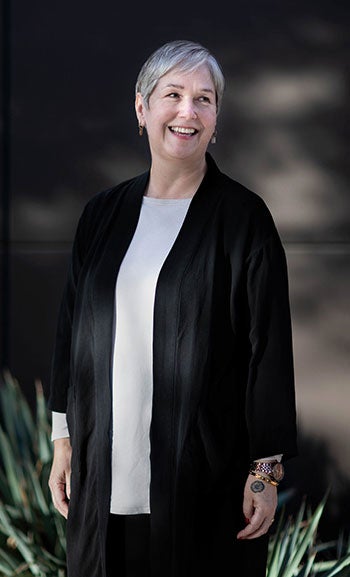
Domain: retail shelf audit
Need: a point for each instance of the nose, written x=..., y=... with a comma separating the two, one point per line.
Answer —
x=187, y=108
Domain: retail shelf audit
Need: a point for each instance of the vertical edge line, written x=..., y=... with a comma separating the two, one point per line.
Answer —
x=6, y=186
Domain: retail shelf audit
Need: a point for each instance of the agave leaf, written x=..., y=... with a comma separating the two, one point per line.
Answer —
x=11, y=469
x=23, y=570
x=37, y=494
x=307, y=538
x=18, y=407
x=43, y=472
x=298, y=525
x=339, y=566
x=322, y=566
x=43, y=426
x=343, y=572
x=60, y=524
x=27, y=515
x=21, y=542
x=275, y=547
x=14, y=513
x=292, y=544
x=329, y=545
x=273, y=561
x=6, y=559
x=55, y=561
x=5, y=493
x=5, y=570
x=8, y=418
x=284, y=548
x=340, y=544
x=280, y=551
x=309, y=565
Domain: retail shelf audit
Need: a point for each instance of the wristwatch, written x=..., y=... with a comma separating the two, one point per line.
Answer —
x=273, y=470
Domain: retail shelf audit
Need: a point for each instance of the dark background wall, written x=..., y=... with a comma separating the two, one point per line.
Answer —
x=69, y=131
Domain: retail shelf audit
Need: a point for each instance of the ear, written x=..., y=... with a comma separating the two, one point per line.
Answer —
x=139, y=108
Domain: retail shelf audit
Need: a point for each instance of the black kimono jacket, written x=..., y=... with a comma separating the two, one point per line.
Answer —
x=223, y=375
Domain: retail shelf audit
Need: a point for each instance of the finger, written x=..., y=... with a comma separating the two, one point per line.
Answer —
x=251, y=533
x=68, y=485
x=261, y=531
x=248, y=509
x=61, y=505
x=253, y=526
x=62, y=508
x=59, y=499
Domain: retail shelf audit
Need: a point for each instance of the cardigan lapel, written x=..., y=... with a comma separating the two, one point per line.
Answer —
x=117, y=236
x=166, y=322
x=118, y=233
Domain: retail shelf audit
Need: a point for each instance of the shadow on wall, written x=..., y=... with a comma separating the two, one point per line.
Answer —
x=309, y=476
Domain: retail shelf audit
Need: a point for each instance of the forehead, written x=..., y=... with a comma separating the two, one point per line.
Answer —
x=200, y=78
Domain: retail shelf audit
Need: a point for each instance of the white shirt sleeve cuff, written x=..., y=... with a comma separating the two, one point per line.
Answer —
x=273, y=458
x=59, y=426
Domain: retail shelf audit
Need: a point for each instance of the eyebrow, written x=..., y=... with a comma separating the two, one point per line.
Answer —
x=171, y=85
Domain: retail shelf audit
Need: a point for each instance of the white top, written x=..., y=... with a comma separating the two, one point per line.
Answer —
x=158, y=226
x=132, y=379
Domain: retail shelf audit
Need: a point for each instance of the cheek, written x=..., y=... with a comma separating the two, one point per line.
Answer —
x=208, y=119
x=212, y=118
x=156, y=122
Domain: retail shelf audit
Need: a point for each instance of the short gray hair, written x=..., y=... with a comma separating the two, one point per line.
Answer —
x=184, y=55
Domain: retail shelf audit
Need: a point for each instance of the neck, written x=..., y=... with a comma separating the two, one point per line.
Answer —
x=174, y=181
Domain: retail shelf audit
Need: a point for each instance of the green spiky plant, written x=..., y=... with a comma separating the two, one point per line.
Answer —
x=32, y=533
x=295, y=550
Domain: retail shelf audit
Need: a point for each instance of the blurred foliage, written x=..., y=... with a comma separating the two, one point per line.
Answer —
x=295, y=550
x=32, y=533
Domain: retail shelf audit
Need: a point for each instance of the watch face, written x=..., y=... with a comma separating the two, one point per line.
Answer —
x=278, y=471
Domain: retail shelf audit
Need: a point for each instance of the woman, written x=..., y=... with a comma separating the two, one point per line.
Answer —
x=173, y=361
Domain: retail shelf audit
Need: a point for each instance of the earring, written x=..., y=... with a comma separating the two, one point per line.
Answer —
x=213, y=138
x=140, y=129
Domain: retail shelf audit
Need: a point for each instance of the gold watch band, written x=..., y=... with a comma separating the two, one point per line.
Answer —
x=263, y=478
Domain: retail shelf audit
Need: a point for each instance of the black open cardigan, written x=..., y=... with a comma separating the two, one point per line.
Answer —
x=223, y=375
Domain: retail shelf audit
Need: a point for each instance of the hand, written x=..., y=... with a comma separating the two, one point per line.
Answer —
x=259, y=506
x=59, y=481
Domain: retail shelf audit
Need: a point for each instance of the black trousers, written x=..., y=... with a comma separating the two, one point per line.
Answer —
x=127, y=550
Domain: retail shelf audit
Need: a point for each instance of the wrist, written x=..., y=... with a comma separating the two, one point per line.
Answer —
x=263, y=478
x=270, y=471
x=62, y=443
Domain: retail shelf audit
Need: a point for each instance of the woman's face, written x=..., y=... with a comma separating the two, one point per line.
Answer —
x=181, y=116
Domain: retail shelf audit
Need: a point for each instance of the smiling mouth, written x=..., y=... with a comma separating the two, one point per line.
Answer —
x=183, y=130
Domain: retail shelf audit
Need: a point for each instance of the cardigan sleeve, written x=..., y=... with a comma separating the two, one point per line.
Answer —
x=270, y=393
x=60, y=365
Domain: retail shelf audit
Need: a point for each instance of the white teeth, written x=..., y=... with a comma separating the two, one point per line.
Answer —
x=182, y=130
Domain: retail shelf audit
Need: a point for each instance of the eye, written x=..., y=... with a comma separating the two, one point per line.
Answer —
x=205, y=99
x=173, y=95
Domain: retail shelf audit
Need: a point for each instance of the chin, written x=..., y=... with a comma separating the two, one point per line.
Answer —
x=181, y=154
